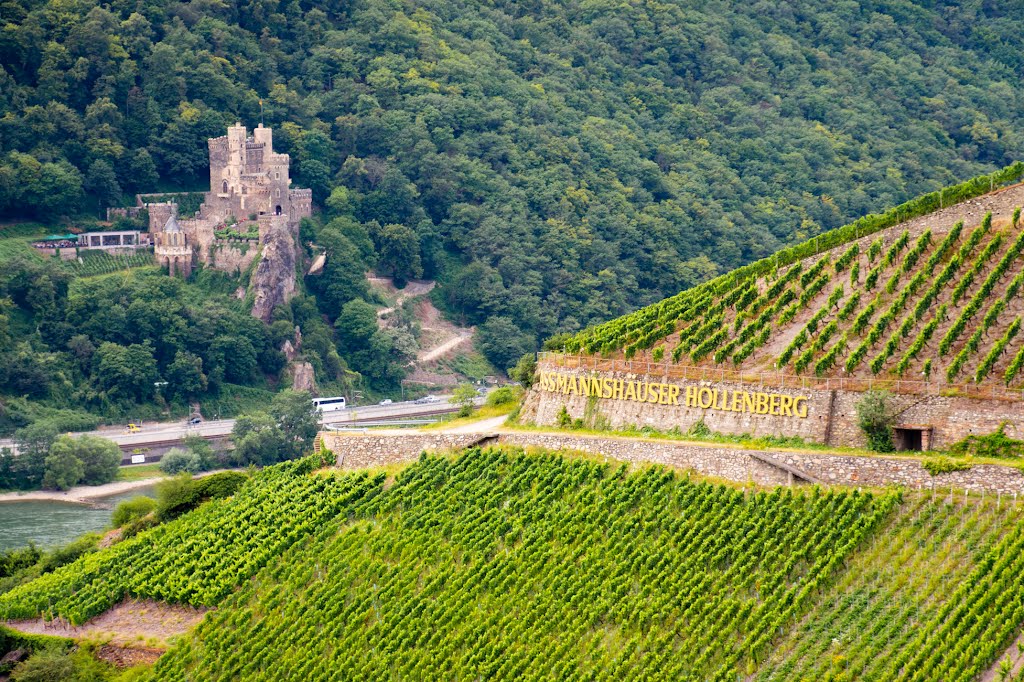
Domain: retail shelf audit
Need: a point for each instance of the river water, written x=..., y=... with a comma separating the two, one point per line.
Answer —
x=50, y=524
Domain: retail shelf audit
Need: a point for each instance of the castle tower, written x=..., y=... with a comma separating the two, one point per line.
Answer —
x=172, y=250
x=159, y=215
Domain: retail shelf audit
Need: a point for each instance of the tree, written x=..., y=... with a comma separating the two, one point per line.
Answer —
x=463, y=396
x=101, y=458
x=398, y=249
x=258, y=440
x=33, y=445
x=140, y=171
x=126, y=373
x=101, y=182
x=201, y=448
x=185, y=378
x=356, y=326
x=315, y=175
x=63, y=470
x=298, y=419
x=525, y=370
x=237, y=356
x=502, y=342
x=876, y=418
x=342, y=278
x=56, y=191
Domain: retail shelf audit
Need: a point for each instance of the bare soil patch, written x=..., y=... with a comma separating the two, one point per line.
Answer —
x=127, y=657
x=132, y=623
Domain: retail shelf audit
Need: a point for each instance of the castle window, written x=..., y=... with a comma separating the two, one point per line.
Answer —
x=277, y=175
x=279, y=191
x=225, y=187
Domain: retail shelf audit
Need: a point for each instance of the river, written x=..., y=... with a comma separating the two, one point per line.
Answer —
x=50, y=524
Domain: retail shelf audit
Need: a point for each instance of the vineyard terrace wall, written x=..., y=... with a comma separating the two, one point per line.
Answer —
x=761, y=467
x=620, y=399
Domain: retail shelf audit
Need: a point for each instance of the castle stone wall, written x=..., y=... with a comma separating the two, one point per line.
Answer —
x=232, y=257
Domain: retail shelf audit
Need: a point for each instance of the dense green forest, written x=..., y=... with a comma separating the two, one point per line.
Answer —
x=135, y=343
x=552, y=164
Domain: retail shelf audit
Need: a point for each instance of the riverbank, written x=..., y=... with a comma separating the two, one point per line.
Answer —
x=81, y=494
x=86, y=494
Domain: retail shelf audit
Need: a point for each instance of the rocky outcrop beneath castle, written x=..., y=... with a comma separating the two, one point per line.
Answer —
x=273, y=283
x=302, y=376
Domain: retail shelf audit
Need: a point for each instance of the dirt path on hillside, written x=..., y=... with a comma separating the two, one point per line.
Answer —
x=413, y=289
x=444, y=348
x=439, y=337
x=131, y=623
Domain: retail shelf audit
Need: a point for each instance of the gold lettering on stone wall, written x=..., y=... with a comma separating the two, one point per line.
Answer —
x=702, y=397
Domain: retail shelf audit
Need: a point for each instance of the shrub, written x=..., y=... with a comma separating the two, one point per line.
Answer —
x=183, y=493
x=877, y=419
x=177, y=461
x=46, y=666
x=15, y=560
x=562, y=418
x=503, y=396
x=175, y=496
x=219, y=486
x=943, y=465
x=996, y=444
x=132, y=509
x=69, y=552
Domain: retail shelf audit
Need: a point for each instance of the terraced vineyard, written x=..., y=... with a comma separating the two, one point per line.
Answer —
x=935, y=305
x=930, y=599
x=102, y=263
x=502, y=566
x=200, y=558
x=507, y=566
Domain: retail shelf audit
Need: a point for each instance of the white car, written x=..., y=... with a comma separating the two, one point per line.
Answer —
x=386, y=401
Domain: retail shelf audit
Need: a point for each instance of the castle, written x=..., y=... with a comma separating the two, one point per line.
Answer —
x=249, y=192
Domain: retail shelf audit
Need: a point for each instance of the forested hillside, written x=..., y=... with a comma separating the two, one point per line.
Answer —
x=496, y=564
x=553, y=164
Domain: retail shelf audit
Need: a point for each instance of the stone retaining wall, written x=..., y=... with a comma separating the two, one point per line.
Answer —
x=738, y=465
x=356, y=451
x=831, y=416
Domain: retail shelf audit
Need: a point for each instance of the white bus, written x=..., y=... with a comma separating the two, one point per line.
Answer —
x=329, y=404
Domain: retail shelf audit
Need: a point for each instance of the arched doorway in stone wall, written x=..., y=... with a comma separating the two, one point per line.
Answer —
x=277, y=209
x=225, y=191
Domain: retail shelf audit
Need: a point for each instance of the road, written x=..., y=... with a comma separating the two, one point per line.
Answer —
x=167, y=432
